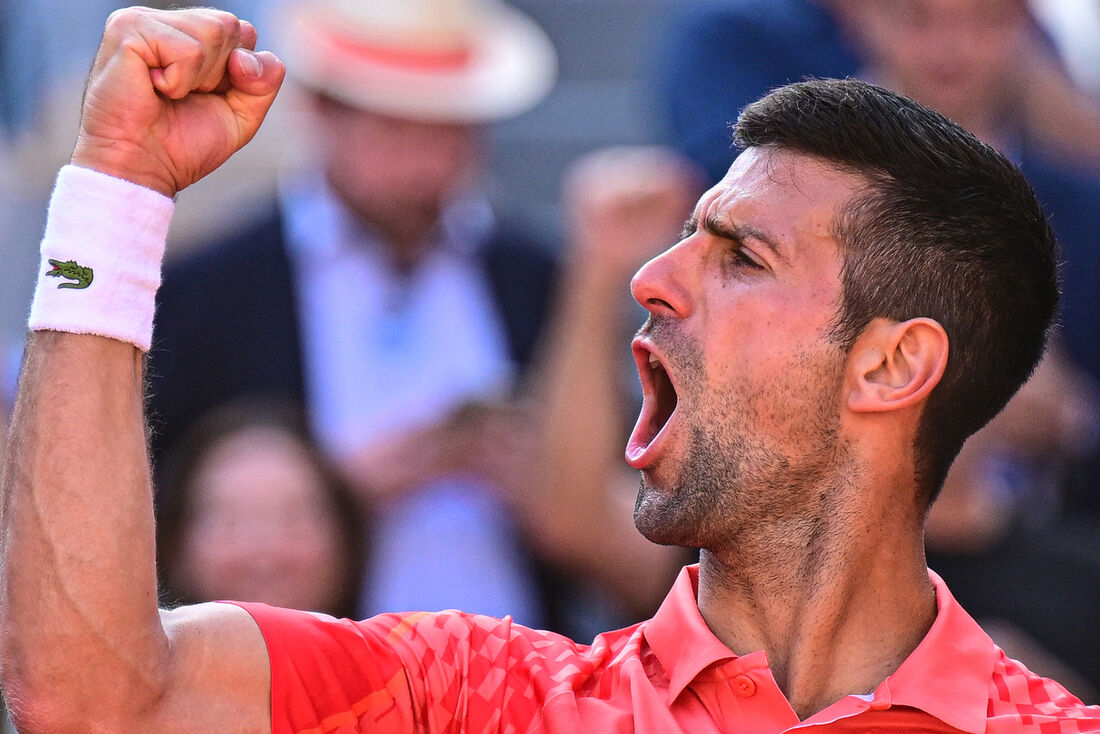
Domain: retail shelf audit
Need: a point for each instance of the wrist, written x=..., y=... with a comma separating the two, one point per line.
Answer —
x=123, y=160
x=101, y=256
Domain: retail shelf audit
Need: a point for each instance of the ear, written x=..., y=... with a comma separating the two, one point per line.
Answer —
x=895, y=365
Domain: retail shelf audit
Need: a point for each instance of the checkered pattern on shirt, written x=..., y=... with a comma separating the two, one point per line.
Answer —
x=1021, y=701
x=455, y=672
x=438, y=672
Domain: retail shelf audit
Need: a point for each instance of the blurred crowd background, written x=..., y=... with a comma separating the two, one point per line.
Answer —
x=391, y=368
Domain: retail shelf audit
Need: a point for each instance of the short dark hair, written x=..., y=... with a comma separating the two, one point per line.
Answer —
x=947, y=229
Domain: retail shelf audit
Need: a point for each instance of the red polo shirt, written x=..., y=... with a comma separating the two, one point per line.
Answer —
x=451, y=671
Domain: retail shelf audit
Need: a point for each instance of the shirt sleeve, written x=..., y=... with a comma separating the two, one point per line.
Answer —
x=414, y=672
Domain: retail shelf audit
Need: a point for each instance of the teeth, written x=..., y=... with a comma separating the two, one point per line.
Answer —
x=653, y=361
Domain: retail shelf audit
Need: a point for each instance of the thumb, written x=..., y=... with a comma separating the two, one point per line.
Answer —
x=254, y=80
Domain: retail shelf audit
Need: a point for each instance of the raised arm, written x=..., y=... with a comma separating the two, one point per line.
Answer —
x=170, y=97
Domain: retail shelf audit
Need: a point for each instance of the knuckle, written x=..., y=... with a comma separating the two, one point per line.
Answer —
x=222, y=27
x=130, y=44
x=191, y=53
x=120, y=19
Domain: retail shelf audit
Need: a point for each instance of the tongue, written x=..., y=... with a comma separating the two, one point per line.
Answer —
x=656, y=411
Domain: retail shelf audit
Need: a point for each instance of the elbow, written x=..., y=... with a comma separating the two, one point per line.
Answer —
x=52, y=702
x=33, y=708
x=30, y=713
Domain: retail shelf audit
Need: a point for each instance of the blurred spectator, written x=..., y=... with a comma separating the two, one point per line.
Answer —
x=382, y=291
x=253, y=511
x=722, y=54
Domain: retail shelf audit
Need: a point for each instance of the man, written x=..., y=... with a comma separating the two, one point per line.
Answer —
x=339, y=298
x=831, y=327
x=1008, y=535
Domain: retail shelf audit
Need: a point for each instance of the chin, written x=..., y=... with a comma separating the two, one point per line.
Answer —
x=661, y=516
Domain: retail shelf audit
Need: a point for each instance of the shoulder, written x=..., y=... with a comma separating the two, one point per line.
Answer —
x=1021, y=700
x=397, y=671
x=414, y=636
x=451, y=642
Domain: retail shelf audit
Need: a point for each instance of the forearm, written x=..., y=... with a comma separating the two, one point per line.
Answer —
x=171, y=95
x=79, y=623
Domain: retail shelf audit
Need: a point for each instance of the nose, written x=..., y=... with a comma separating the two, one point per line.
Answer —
x=663, y=285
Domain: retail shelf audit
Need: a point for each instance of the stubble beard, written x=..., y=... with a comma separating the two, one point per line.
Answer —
x=737, y=487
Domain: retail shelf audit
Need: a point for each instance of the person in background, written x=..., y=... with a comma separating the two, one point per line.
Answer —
x=346, y=296
x=253, y=511
x=782, y=41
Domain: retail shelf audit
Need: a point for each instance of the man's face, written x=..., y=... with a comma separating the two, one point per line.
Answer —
x=740, y=417
x=387, y=167
x=956, y=56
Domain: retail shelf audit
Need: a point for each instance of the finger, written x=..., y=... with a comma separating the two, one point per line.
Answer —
x=248, y=35
x=217, y=34
x=141, y=35
x=177, y=58
x=189, y=47
x=255, y=79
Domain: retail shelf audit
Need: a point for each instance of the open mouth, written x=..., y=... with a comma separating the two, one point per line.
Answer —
x=659, y=401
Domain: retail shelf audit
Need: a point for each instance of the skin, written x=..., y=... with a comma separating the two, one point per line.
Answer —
x=83, y=645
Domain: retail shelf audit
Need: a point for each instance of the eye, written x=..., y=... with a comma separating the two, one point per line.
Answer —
x=737, y=258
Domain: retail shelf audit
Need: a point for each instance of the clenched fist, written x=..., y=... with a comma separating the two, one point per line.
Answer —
x=172, y=94
x=624, y=205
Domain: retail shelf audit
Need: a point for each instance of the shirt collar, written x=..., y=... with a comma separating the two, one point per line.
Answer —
x=320, y=226
x=946, y=676
x=680, y=638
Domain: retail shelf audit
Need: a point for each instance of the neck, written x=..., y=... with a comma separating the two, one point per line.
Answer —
x=406, y=237
x=407, y=226
x=836, y=608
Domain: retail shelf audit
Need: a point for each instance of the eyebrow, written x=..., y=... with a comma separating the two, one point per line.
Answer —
x=733, y=232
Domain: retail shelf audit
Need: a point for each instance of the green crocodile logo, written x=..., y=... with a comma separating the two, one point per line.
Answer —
x=70, y=270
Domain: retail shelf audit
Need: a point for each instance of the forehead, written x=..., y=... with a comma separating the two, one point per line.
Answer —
x=792, y=197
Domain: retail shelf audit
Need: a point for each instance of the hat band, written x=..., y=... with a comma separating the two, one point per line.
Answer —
x=439, y=60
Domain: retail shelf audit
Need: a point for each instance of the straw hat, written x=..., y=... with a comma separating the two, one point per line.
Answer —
x=442, y=60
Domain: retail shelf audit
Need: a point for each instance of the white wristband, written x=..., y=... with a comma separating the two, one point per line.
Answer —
x=101, y=257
